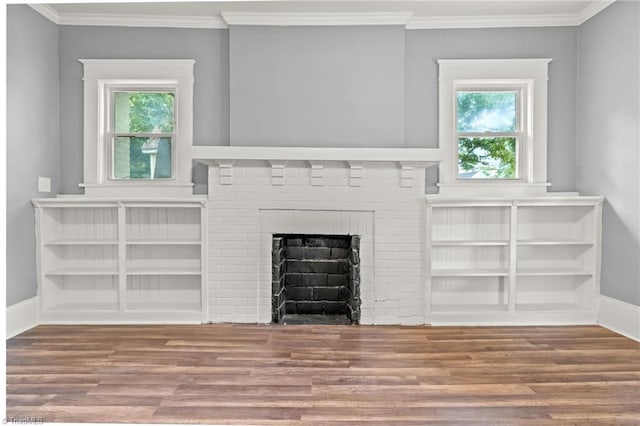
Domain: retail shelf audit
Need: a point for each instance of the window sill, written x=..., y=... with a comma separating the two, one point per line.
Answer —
x=138, y=189
x=486, y=188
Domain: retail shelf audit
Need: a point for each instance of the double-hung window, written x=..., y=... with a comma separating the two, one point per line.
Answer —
x=142, y=131
x=488, y=132
x=138, y=127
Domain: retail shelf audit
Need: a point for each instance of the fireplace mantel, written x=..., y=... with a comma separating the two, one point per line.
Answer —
x=406, y=159
x=223, y=154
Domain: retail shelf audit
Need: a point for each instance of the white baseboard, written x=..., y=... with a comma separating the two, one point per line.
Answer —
x=22, y=316
x=616, y=315
x=619, y=316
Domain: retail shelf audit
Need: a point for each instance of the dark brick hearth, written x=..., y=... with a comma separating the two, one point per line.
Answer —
x=316, y=275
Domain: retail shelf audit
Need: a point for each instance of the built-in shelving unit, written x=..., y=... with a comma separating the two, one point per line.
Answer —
x=513, y=260
x=469, y=256
x=106, y=260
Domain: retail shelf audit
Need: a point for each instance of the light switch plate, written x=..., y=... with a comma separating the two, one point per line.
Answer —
x=44, y=184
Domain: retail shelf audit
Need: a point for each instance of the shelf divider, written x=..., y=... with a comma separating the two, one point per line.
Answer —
x=81, y=243
x=469, y=272
x=90, y=271
x=162, y=271
x=163, y=242
x=122, y=258
x=469, y=243
x=513, y=256
x=552, y=272
x=555, y=243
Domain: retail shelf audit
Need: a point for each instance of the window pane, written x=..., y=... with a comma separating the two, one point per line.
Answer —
x=486, y=111
x=142, y=158
x=487, y=158
x=147, y=112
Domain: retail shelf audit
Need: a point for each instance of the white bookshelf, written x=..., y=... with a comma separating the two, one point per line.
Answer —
x=513, y=261
x=129, y=260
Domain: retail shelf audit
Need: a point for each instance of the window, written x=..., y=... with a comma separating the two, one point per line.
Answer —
x=138, y=119
x=488, y=133
x=492, y=126
x=141, y=133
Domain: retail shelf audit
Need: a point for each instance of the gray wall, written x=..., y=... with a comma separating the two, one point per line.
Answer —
x=424, y=47
x=327, y=86
x=317, y=86
x=33, y=147
x=608, y=137
x=341, y=86
x=208, y=47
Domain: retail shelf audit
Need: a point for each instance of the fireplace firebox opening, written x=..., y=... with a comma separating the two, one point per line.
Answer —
x=316, y=279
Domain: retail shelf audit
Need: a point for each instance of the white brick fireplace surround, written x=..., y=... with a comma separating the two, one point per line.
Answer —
x=376, y=194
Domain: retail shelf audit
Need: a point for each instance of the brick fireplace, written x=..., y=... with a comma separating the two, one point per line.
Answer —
x=258, y=197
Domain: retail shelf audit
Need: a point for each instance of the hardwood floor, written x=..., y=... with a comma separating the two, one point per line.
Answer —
x=269, y=374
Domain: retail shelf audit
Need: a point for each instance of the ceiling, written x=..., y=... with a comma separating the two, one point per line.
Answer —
x=414, y=14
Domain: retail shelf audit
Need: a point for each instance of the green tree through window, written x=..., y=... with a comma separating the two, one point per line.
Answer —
x=487, y=134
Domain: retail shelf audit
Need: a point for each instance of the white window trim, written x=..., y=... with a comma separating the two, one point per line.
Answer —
x=100, y=75
x=528, y=75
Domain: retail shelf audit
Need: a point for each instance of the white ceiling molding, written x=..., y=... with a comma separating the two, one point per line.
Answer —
x=408, y=19
x=498, y=21
x=593, y=9
x=316, y=19
x=132, y=20
x=47, y=11
x=507, y=21
x=143, y=21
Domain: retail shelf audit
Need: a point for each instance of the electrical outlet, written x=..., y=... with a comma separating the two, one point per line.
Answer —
x=44, y=184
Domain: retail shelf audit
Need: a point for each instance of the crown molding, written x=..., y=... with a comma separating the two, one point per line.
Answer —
x=165, y=21
x=324, y=19
x=593, y=9
x=316, y=19
x=510, y=21
x=497, y=21
x=47, y=11
x=124, y=20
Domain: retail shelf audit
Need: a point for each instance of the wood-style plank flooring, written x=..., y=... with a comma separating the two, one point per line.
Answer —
x=270, y=374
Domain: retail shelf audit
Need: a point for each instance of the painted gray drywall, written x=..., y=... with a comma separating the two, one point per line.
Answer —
x=317, y=86
x=208, y=47
x=33, y=147
x=370, y=86
x=608, y=139
x=425, y=47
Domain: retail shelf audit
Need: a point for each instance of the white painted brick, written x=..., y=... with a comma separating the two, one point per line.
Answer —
x=219, y=197
x=411, y=320
x=237, y=318
x=222, y=310
x=413, y=256
x=252, y=204
x=246, y=229
x=253, y=301
x=231, y=293
x=226, y=267
x=383, y=319
x=224, y=253
x=225, y=277
x=408, y=222
x=233, y=301
x=388, y=238
x=401, y=263
x=244, y=180
x=234, y=213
